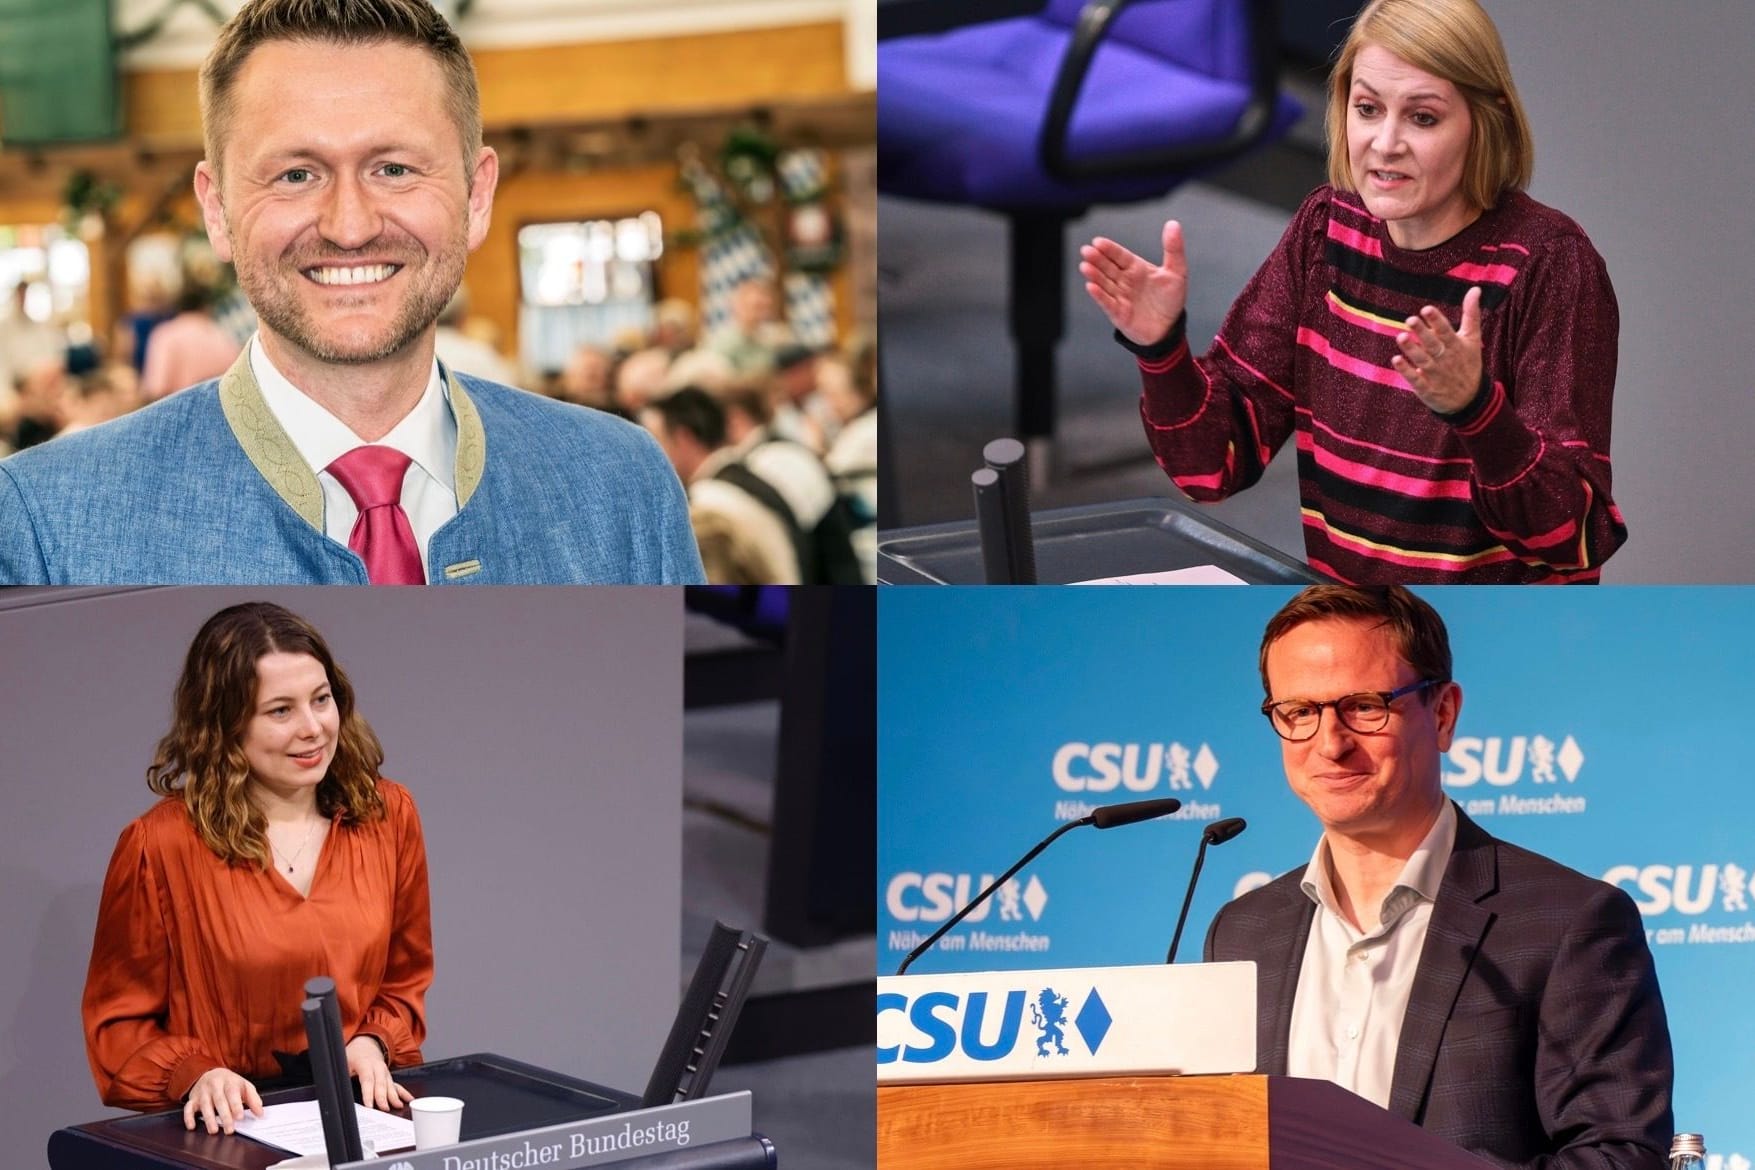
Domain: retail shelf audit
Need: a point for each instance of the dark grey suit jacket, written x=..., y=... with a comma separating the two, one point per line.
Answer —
x=1535, y=1034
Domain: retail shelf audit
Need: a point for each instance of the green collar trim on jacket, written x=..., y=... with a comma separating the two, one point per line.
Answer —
x=471, y=440
x=271, y=449
x=267, y=444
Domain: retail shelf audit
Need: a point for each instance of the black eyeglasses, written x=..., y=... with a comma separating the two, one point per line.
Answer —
x=1365, y=712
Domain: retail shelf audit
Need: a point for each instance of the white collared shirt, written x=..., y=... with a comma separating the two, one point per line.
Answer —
x=1353, y=988
x=427, y=435
x=761, y=544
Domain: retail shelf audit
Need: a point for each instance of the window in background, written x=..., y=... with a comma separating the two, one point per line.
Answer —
x=585, y=283
x=54, y=267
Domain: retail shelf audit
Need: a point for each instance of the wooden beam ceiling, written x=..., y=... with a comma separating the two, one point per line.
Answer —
x=570, y=148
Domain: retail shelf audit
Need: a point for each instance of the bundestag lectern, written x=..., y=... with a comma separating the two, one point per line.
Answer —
x=511, y=1105
x=515, y=1115
x=972, y=1076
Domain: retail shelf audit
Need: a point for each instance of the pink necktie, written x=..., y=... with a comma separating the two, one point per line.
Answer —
x=381, y=536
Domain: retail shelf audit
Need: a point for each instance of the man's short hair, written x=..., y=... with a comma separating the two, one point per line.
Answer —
x=339, y=22
x=1455, y=40
x=703, y=368
x=750, y=395
x=694, y=410
x=1419, y=632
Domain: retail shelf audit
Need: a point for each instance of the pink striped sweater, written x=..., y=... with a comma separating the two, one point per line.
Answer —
x=1514, y=488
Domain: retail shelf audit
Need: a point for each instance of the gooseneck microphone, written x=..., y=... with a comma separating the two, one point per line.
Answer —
x=1216, y=833
x=1113, y=816
x=1108, y=817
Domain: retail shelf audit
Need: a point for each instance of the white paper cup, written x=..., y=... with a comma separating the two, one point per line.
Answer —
x=437, y=1121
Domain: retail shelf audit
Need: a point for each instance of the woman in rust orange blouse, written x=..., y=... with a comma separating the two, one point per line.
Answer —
x=277, y=853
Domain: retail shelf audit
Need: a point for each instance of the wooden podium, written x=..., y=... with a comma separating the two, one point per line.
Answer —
x=1151, y=1123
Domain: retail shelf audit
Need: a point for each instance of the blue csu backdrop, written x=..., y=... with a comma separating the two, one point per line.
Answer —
x=1609, y=729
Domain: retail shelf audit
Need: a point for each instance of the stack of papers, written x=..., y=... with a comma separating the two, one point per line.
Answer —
x=297, y=1127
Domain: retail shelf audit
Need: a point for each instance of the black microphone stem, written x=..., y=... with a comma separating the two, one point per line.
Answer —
x=982, y=896
x=1200, y=858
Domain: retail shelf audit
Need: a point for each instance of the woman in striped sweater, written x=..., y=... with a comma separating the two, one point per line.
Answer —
x=1441, y=345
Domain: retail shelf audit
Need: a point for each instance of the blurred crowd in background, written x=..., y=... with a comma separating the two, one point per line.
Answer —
x=775, y=441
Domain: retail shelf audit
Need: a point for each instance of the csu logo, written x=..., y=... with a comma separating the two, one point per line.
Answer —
x=1103, y=767
x=1501, y=762
x=1658, y=889
x=939, y=1023
x=934, y=897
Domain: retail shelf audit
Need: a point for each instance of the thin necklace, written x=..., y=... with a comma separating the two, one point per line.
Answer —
x=289, y=861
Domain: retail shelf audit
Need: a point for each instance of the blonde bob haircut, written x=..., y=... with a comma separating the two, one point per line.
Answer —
x=201, y=759
x=1454, y=40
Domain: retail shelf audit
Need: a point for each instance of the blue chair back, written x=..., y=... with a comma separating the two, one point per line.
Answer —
x=1203, y=36
x=1042, y=116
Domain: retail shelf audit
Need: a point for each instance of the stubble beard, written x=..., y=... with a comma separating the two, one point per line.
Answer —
x=272, y=290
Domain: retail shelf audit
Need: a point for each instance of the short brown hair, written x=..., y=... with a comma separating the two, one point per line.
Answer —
x=1419, y=632
x=1455, y=40
x=752, y=394
x=201, y=758
x=340, y=22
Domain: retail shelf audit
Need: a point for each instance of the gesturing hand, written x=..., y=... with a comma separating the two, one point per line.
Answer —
x=1441, y=364
x=365, y=1060
x=1142, y=299
x=220, y=1098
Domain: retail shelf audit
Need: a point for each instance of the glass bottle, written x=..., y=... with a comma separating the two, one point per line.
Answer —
x=1688, y=1152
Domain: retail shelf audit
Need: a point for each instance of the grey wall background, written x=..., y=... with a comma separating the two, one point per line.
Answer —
x=1643, y=135
x=539, y=730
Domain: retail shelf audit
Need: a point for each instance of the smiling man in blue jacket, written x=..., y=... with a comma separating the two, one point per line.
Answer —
x=346, y=180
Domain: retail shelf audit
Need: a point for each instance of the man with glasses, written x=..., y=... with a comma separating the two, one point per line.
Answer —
x=1495, y=997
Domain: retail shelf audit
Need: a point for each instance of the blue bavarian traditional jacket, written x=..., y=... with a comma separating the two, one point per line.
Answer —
x=205, y=487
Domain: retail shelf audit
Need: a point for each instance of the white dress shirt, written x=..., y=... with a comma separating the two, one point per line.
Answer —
x=1353, y=987
x=427, y=435
x=741, y=527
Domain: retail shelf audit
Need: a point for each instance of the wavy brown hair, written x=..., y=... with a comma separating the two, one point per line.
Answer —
x=201, y=759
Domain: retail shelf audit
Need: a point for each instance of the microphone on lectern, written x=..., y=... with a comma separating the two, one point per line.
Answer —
x=1108, y=817
x=1112, y=816
x=1216, y=833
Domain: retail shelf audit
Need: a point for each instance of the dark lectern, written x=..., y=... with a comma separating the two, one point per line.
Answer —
x=1151, y=1123
x=1092, y=541
x=503, y=1097
x=548, y=1118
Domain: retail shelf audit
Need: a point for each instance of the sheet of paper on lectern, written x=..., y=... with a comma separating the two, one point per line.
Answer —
x=1197, y=575
x=297, y=1127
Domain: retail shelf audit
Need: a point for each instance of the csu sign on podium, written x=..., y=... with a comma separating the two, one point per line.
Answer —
x=949, y=1022
x=1078, y=1021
